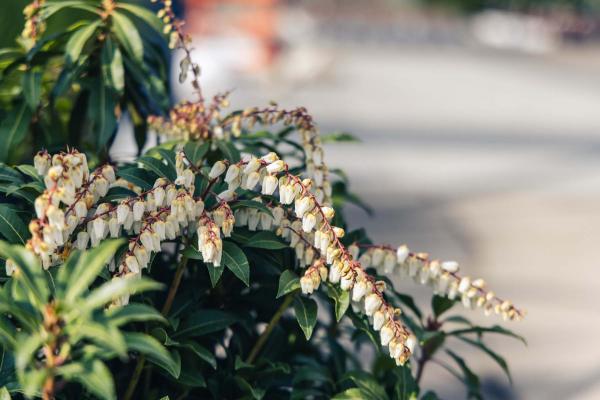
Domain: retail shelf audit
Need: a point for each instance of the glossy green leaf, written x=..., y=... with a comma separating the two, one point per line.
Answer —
x=104, y=335
x=128, y=36
x=11, y=226
x=235, y=260
x=367, y=383
x=137, y=176
x=440, y=305
x=30, y=271
x=158, y=167
x=154, y=351
x=288, y=282
x=78, y=40
x=101, y=112
x=306, y=314
x=229, y=150
x=204, y=322
x=266, y=240
x=202, y=352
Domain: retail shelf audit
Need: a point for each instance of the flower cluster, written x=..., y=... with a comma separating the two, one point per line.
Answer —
x=70, y=192
x=294, y=210
x=442, y=276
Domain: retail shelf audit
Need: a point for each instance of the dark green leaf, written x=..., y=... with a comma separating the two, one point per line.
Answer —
x=13, y=129
x=339, y=137
x=101, y=112
x=495, y=356
x=11, y=226
x=229, y=150
x=154, y=351
x=367, y=383
x=202, y=352
x=195, y=151
x=158, y=167
x=469, y=378
x=204, y=322
x=134, y=312
x=352, y=394
x=288, y=282
x=440, y=304
x=251, y=204
x=266, y=240
x=306, y=314
x=144, y=14
x=480, y=330
x=137, y=176
x=235, y=260
x=32, y=87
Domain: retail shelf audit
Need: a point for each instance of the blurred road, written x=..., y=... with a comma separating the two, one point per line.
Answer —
x=488, y=158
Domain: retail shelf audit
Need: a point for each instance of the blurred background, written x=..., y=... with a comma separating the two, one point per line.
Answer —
x=479, y=123
x=480, y=129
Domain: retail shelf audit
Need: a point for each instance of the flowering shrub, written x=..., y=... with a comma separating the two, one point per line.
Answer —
x=216, y=265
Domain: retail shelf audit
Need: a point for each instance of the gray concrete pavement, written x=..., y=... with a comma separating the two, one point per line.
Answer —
x=488, y=158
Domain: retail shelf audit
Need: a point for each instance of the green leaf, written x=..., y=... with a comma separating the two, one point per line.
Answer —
x=104, y=335
x=114, y=289
x=406, y=387
x=195, y=151
x=30, y=171
x=266, y=240
x=32, y=87
x=306, y=315
x=158, y=167
x=352, y=394
x=229, y=150
x=495, y=356
x=235, y=260
x=30, y=271
x=9, y=174
x=89, y=266
x=430, y=396
x=204, y=322
x=137, y=176
x=7, y=333
x=341, y=299
x=251, y=204
x=93, y=375
x=288, y=282
x=154, y=351
x=128, y=36
x=13, y=129
x=4, y=394
x=440, y=304
x=168, y=156
x=78, y=39
x=112, y=66
x=11, y=226
x=202, y=352
x=480, y=330
x=144, y=14
x=469, y=378
x=367, y=383
x=134, y=312
x=215, y=273
x=101, y=112
x=118, y=193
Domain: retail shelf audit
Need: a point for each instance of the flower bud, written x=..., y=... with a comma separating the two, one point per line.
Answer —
x=217, y=169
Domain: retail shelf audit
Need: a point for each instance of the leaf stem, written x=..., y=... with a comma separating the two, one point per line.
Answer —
x=262, y=339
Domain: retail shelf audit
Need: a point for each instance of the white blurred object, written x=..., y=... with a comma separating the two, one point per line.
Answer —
x=513, y=31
